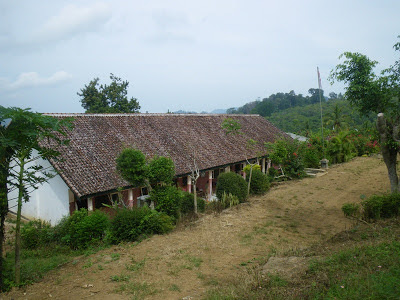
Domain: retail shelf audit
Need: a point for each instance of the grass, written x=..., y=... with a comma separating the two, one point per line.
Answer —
x=36, y=263
x=361, y=263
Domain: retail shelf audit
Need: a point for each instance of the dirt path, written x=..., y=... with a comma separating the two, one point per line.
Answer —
x=191, y=260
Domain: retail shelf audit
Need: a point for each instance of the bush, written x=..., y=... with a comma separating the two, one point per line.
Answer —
x=187, y=203
x=125, y=226
x=36, y=233
x=82, y=229
x=259, y=182
x=351, y=209
x=385, y=206
x=167, y=199
x=156, y=223
x=231, y=183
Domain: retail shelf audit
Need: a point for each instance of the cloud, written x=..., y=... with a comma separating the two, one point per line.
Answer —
x=73, y=20
x=33, y=79
x=39, y=30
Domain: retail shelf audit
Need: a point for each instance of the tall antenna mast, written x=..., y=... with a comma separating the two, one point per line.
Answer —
x=320, y=105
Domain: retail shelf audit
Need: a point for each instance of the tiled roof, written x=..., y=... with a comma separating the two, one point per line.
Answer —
x=88, y=163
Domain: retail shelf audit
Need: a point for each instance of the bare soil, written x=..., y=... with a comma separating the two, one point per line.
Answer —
x=189, y=261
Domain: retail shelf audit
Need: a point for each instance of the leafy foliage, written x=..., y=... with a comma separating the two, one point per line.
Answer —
x=286, y=153
x=167, y=200
x=384, y=206
x=133, y=224
x=81, y=229
x=131, y=164
x=161, y=170
x=187, y=203
x=231, y=183
x=259, y=182
x=36, y=234
x=96, y=98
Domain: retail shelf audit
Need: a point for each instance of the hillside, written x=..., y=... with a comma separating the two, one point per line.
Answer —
x=217, y=248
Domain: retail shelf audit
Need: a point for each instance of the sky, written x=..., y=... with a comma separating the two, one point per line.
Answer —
x=184, y=55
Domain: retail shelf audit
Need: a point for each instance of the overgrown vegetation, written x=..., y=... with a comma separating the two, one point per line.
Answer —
x=374, y=208
x=361, y=263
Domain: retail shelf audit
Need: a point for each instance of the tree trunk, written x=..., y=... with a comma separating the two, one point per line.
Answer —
x=248, y=186
x=18, y=224
x=195, y=197
x=4, y=161
x=389, y=151
x=3, y=214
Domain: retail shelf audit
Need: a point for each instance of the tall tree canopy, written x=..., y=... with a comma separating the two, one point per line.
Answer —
x=99, y=98
x=379, y=94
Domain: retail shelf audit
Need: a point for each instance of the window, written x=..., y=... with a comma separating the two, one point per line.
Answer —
x=144, y=191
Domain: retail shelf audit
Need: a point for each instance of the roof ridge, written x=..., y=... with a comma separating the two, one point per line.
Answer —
x=142, y=114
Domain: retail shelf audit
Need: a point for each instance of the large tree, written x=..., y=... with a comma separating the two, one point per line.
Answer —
x=379, y=94
x=99, y=98
x=19, y=137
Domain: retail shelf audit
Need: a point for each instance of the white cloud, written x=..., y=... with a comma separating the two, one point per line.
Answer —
x=33, y=79
x=74, y=20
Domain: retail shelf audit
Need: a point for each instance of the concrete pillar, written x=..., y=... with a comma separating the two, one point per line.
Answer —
x=209, y=184
x=130, y=198
x=263, y=165
x=243, y=172
x=90, y=204
x=227, y=169
x=189, y=184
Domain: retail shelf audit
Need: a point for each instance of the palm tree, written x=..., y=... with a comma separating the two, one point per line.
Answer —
x=337, y=119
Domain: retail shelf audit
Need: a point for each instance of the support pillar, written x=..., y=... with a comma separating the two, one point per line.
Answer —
x=210, y=180
x=189, y=184
x=227, y=169
x=130, y=198
x=90, y=204
x=263, y=165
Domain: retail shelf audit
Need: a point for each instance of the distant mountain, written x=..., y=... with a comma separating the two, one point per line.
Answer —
x=215, y=111
x=218, y=111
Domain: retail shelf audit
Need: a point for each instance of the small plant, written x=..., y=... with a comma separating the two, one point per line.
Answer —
x=229, y=200
x=351, y=209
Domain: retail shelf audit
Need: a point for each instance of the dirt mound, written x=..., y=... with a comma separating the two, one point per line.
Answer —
x=191, y=260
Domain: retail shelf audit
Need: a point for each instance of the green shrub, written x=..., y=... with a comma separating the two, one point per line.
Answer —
x=248, y=167
x=167, y=199
x=36, y=233
x=259, y=182
x=187, y=203
x=82, y=229
x=156, y=223
x=229, y=200
x=384, y=206
x=231, y=183
x=125, y=226
x=351, y=209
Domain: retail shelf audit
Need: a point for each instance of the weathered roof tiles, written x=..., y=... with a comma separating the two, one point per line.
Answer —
x=88, y=163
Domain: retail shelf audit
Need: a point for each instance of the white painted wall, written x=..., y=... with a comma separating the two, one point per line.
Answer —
x=50, y=202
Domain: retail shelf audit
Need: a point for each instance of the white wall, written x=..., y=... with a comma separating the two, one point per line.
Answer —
x=50, y=202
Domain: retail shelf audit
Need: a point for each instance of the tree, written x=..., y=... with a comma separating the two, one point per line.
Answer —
x=336, y=118
x=111, y=98
x=132, y=166
x=17, y=144
x=379, y=94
